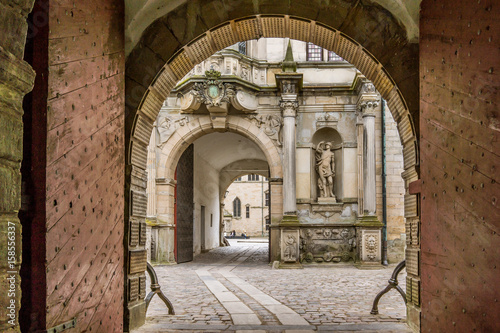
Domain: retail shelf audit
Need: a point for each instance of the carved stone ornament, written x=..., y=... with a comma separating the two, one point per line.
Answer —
x=289, y=108
x=368, y=106
x=167, y=125
x=288, y=87
x=271, y=125
x=326, y=120
x=245, y=101
x=325, y=168
x=368, y=88
x=213, y=92
x=328, y=244
x=371, y=244
x=290, y=243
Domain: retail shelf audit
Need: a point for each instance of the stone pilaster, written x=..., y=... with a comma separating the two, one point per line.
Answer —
x=289, y=83
x=16, y=79
x=165, y=220
x=368, y=227
x=289, y=107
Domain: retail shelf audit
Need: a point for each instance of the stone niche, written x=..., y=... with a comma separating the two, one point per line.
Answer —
x=327, y=244
x=326, y=186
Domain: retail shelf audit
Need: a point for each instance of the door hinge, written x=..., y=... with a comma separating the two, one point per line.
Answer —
x=63, y=327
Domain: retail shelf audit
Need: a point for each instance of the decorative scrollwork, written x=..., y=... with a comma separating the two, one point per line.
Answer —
x=213, y=92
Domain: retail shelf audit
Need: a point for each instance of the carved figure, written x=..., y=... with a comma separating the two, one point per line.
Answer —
x=371, y=247
x=288, y=87
x=166, y=128
x=325, y=167
x=270, y=124
x=290, y=254
x=167, y=125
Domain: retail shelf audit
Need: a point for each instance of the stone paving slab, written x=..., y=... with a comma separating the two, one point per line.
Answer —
x=324, y=298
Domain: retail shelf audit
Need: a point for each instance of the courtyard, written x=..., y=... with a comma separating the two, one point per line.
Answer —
x=235, y=289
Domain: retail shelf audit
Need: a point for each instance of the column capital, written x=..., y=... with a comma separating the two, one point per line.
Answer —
x=289, y=107
x=368, y=106
x=368, y=100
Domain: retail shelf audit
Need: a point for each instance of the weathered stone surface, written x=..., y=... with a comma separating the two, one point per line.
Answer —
x=14, y=21
x=10, y=191
x=11, y=139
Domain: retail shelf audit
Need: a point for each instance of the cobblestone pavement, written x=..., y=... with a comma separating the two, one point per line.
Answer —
x=235, y=289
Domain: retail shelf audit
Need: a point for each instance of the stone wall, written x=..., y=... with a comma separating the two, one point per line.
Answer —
x=16, y=79
x=395, y=187
x=206, y=193
x=250, y=193
x=460, y=133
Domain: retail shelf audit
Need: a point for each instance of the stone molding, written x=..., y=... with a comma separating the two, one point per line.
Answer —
x=166, y=181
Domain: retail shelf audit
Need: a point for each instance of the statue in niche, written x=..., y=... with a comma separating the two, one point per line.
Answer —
x=325, y=167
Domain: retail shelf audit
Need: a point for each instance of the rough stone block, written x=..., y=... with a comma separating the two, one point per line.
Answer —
x=11, y=140
x=10, y=190
x=10, y=246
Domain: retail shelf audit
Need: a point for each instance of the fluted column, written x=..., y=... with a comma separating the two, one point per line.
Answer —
x=289, y=107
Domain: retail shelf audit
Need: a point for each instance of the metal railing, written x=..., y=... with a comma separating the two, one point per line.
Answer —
x=156, y=290
x=393, y=283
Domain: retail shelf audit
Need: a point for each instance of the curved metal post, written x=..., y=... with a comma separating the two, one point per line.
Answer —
x=156, y=289
x=393, y=283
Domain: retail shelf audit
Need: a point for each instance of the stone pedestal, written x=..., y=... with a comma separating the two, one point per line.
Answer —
x=369, y=238
x=289, y=242
x=330, y=200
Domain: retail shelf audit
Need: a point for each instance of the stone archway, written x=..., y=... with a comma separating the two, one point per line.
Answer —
x=147, y=88
x=196, y=128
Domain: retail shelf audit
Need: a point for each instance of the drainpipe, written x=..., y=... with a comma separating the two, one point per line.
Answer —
x=384, y=189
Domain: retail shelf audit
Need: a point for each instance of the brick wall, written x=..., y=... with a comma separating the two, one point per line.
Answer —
x=459, y=166
x=85, y=165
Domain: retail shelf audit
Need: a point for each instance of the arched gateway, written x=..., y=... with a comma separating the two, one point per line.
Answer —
x=145, y=101
x=78, y=265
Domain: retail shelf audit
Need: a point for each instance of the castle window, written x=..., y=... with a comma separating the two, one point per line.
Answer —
x=242, y=48
x=253, y=178
x=248, y=211
x=332, y=56
x=314, y=52
x=236, y=207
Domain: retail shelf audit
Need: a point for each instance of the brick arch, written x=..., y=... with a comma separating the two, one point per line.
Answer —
x=150, y=77
x=370, y=39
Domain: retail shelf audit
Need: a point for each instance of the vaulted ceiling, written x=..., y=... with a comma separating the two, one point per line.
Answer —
x=139, y=14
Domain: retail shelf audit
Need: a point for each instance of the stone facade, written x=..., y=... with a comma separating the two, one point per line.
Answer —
x=252, y=194
x=334, y=100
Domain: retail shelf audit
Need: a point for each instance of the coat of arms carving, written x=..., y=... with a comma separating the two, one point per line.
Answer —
x=213, y=92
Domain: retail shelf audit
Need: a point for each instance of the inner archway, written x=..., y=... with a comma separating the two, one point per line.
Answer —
x=146, y=99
